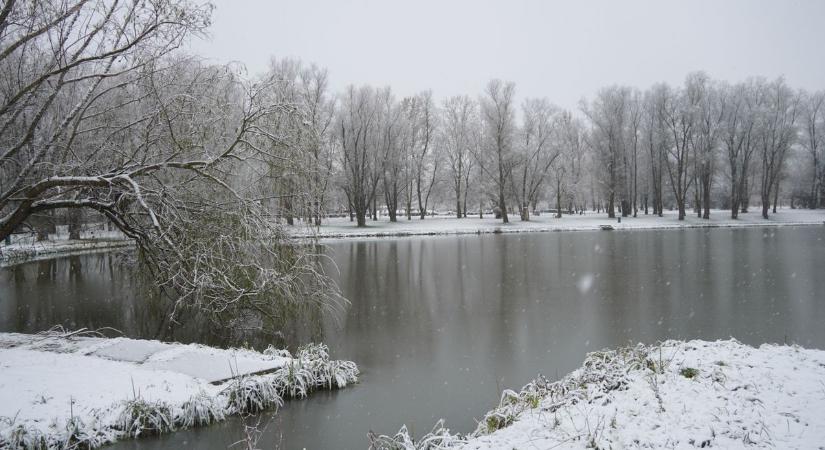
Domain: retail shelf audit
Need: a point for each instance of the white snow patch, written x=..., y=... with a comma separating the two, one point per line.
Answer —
x=675, y=395
x=58, y=386
x=341, y=227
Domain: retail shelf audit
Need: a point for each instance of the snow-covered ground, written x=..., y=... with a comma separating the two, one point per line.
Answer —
x=57, y=387
x=675, y=395
x=93, y=238
x=26, y=251
x=341, y=227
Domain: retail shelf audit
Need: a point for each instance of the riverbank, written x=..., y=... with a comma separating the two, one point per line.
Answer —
x=59, y=388
x=342, y=228
x=33, y=251
x=675, y=395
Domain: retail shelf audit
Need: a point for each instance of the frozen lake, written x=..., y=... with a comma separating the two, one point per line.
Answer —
x=440, y=325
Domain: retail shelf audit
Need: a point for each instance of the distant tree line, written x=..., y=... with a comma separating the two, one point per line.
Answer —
x=706, y=144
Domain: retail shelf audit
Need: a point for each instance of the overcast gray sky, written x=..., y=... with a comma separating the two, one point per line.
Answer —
x=561, y=50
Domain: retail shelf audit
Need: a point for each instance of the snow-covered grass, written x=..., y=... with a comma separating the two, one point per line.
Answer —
x=72, y=390
x=445, y=225
x=26, y=251
x=674, y=395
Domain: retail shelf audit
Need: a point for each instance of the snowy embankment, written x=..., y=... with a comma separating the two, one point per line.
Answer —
x=93, y=238
x=23, y=252
x=675, y=395
x=59, y=390
x=443, y=225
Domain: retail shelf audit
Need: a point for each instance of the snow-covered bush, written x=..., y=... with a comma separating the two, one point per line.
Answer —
x=312, y=369
x=294, y=380
x=439, y=438
x=274, y=352
x=140, y=417
x=80, y=436
x=21, y=437
x=251, y=394
x=326, y=374
x=199, y=410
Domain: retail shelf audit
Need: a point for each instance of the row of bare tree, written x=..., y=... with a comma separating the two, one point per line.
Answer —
x=701, y=145
x=704, y=138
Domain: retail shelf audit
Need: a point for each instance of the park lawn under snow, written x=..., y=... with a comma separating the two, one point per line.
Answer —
x=57, y=389
x=675, y=395
x=341, y=227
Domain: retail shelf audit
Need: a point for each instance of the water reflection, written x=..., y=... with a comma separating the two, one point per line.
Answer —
x=103, y=290
x=440, y=325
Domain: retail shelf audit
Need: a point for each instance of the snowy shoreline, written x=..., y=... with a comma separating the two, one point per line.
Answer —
x=20, y=253
x=80, y=390
x=342, y=228
x=673, y=395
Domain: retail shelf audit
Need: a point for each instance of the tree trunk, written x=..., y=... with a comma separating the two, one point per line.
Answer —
x=74, y=220
x=706, y=199
x=744, y=194
x=421, y=209
x=611, y=208
x=502, y=203
x=558, y=199
x=775, y=196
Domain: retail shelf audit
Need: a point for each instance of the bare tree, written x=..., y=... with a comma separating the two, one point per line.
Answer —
x=608, y=114
x=425, y=156
x=678, y=113
x=318, y=110
x=391, y=128
x=738, y=104
x=634, y=130
x=496, y=157
x=534, y=154
x=357, y=125
x=812, y=115
x=706, y=136
x=460, y=128
x=657, y=140
x=568, y=166
x=777, y=132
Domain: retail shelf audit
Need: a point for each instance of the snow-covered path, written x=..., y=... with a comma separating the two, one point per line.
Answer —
x=443, y=225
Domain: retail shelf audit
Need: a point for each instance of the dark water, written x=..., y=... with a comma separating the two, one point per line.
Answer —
x=439, y=326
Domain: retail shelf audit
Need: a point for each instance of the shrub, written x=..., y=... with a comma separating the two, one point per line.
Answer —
x=142, y=417
x=689, y=372
x=200, y=410
x=250, y=395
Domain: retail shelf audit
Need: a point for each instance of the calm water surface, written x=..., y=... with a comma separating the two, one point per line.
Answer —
x=439, y=326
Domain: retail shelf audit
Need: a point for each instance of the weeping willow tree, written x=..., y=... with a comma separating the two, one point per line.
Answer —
x=100, y=112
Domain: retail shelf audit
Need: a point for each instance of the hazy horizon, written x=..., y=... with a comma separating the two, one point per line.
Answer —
x=549, y=49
